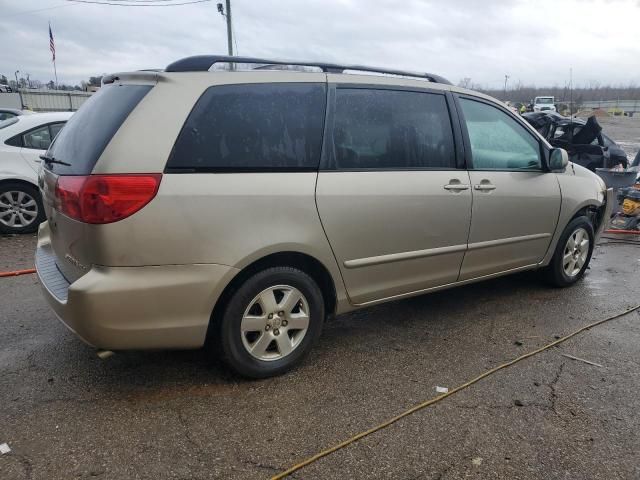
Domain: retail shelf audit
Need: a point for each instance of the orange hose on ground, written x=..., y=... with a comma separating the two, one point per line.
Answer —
x=15, y=273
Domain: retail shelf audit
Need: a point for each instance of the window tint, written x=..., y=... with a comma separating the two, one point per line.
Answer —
x=87, y=133
x=39, y=138
x=55, y=128
x=392, y=130
x=253, y=127
x=498, y=142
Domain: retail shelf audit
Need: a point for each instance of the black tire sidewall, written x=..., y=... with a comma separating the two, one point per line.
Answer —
x=230, y=343
x=558, y=276
x=33, y=192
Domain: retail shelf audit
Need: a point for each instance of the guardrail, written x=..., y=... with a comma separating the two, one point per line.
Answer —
x=621, y=105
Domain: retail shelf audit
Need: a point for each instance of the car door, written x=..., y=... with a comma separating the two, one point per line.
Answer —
x=35, y=142
x=393, y=199
x=516, y=202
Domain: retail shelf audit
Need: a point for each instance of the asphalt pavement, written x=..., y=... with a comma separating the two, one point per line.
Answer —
x=66, y=414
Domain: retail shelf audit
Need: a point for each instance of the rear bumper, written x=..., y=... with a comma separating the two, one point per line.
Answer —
x=119, y=308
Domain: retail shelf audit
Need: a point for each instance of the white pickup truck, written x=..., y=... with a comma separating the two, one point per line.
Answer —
x=542, y=104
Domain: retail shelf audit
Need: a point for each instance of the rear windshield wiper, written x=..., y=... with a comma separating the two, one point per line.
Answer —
x=53, y=160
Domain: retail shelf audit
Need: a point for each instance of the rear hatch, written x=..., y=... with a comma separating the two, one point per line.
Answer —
x=74, y=198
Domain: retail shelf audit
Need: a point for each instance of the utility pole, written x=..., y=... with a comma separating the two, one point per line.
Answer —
x=571, y=95
x=506, y=78
x=16, y=74
x=226, y=13
x=229, y=32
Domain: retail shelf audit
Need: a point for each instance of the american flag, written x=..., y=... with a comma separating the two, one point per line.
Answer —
x=52, y=45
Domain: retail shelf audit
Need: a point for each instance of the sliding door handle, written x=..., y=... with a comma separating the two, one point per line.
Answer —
x=484, y=187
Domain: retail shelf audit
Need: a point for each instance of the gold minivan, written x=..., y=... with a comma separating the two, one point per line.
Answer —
x=240, y=204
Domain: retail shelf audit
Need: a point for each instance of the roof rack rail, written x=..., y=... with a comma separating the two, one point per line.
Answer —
x=202, y=63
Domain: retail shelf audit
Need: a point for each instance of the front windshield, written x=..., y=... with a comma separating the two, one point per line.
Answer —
x=9, y=121
x=545, y=100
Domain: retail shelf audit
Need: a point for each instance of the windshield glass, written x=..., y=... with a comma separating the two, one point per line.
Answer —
x=9, y=121
x=544, y=100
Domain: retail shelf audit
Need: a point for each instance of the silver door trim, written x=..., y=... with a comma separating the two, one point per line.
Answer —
x=507, y=241
x=447, y=286
x=397, y=257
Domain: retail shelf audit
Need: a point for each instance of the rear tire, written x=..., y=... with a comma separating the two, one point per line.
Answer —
x=573, y=253
x=21, y=209
x=270, y=323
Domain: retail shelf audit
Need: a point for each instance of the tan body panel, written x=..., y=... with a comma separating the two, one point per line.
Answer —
x=395, y=232
x=579, y=188
x=512, y=225
x=228, y=219
x=167, y=306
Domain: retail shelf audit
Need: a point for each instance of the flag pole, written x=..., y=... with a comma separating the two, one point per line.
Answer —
x=55, y=72
x=52, y=47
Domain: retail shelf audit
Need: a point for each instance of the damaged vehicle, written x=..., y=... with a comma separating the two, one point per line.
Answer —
x=583, y=140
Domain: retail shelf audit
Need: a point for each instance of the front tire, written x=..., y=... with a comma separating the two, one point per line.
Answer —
x=21, y=209
x=270, y=323
x=573, y=253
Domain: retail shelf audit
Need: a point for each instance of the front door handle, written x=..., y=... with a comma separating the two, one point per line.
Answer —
x=456, y=187
x=484, y=187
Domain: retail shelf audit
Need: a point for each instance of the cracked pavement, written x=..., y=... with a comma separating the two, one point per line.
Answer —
x=175, y=415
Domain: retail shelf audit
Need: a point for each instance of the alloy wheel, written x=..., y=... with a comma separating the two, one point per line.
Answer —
x=576, y=251
x=275, y=322
x=18, y=209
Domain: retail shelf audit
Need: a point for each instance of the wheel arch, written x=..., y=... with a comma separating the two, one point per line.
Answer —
x=303, y=261
x=18, y=180
x=590, y=208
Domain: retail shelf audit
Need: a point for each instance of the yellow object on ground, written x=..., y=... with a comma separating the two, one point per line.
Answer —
x=631, y=207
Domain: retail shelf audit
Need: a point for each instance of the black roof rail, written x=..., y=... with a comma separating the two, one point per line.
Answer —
x=202, y=63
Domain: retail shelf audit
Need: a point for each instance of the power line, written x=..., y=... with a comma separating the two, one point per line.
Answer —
x=138, y=4
x=27, y=12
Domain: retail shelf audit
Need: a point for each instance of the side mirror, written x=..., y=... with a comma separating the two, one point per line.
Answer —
x=558, y=160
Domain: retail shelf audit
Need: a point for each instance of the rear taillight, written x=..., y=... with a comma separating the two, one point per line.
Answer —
x=105, y=198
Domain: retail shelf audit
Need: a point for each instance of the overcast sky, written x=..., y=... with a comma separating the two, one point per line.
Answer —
x=533, y=41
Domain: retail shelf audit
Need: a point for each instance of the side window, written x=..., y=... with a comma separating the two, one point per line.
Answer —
x=39, y=138
x=390, y=129
x=498, y=142
x=253, y=127
x=6, y=115
x=54, y=129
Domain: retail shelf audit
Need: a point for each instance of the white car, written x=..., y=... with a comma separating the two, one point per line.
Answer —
x=22, y=140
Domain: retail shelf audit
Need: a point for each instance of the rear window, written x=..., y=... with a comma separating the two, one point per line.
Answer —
x=89, y=130
x=252, y=127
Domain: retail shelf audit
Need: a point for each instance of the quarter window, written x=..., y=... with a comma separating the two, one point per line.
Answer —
x=40, y=138
x=498, y=142
x=253, y=127
x=6, y=116
x=388, y=129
